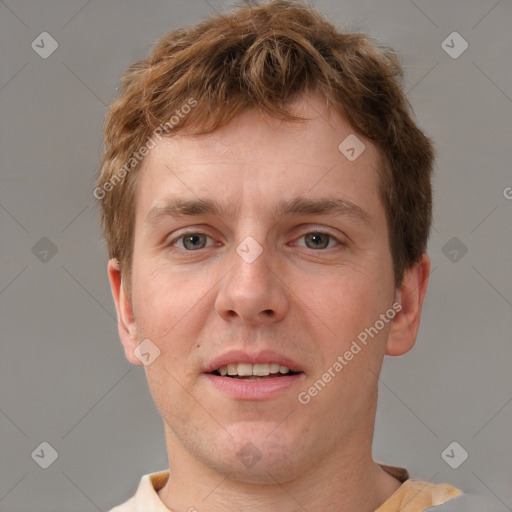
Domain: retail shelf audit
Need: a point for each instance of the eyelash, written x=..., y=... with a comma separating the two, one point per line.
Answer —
x=174, y=241
x=320, y=232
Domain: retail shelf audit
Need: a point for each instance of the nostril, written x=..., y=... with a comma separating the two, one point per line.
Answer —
x=268, y=312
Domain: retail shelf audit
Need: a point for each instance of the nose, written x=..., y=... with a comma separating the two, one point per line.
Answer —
x=251, y=292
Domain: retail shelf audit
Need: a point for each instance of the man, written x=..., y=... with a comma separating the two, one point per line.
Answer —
x=266, y=201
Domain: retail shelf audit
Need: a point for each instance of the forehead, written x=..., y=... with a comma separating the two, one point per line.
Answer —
x=262, y=157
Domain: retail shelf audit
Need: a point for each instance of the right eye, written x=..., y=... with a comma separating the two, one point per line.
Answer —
x=192, y=241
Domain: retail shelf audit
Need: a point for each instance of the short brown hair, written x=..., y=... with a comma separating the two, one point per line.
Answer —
x=265, y=57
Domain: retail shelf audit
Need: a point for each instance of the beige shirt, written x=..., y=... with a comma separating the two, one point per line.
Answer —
x=411, y=496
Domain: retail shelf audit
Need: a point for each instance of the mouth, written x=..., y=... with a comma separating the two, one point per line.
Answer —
x=253, y=372
x=253, y=377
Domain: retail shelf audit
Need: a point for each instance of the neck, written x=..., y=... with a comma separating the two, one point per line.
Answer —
x=348, y=479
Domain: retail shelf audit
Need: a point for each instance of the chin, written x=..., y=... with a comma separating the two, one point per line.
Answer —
x=260, y=455
x=264, y=468
x=250, y=451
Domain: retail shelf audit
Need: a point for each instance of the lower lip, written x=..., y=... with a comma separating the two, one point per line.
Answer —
x=254, y=389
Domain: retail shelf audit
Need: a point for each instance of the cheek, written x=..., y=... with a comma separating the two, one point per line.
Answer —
x=348, y=305
x=163, y=298
x=345, y=300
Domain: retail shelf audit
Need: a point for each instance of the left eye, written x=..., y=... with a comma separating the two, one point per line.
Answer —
x=318, y=241
x=193, y=241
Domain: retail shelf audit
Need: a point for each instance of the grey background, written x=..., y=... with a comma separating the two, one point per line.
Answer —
x=64, y=376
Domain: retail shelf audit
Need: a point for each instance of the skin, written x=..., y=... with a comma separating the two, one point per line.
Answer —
x=307, y=303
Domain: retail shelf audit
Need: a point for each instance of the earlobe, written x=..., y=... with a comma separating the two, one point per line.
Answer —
x=406, y=322
x=126, y=324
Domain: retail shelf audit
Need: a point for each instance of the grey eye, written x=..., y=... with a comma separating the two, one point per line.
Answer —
x=193, y=241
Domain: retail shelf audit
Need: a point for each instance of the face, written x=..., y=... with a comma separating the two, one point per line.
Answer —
x=258, y=249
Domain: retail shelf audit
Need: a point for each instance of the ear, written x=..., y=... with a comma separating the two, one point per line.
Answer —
x=406, y=322
x=126, y=324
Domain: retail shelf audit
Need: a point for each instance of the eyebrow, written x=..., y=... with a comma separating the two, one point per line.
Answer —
x=181, y=207
x=297, y=206
x=323, y=206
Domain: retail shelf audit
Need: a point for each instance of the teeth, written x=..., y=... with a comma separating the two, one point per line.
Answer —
x=248, y=369
x=244, y=369
x=260, y=369
x=274, y=368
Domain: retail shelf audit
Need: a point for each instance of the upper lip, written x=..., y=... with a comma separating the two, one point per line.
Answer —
x=255, y=357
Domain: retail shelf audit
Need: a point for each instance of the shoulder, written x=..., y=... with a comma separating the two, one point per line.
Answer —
x=418, y=495
x=146, y=498
x=127, y=506
x=437, y=494
x=470, y=503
